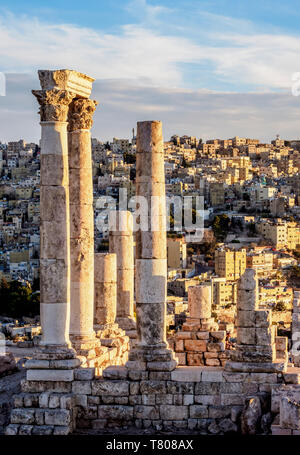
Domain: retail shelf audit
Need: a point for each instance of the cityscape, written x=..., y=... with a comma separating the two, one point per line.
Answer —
x=149, y=278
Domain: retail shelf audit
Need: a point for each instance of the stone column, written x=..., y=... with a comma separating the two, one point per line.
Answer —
x=81, y=224
x=151, y=259
x=255, y=350
x=199, y=298
x=54, y=215
x=121, y=243
x=105, y=289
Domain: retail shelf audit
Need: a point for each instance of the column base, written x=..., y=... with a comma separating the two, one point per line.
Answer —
x=52, y=363
x=151, y=358
x=83, y=345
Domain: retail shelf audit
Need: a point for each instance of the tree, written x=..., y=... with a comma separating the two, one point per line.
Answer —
x=220, y=226
x=18, y=300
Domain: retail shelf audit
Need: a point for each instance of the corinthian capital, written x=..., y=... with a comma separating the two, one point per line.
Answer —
x=81, y=114
x=54, y=104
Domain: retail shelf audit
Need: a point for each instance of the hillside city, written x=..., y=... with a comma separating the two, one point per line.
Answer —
x=251, y=220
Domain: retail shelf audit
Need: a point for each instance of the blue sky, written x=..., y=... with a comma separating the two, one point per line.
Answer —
x=178, y=50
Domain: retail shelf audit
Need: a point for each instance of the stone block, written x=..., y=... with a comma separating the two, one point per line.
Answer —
x=263, y=318
x=194, y=359
x=152, y=387
x=195, y=345
x=11, y=430
x=246, y=336
x=263, y=336
x=188, y=399
x=115, y=412
x=246, y=318
x=216, y=347
x=57, y=417
x=208, y=400
x=81, y=387
x=150, y=333
x=203, y=335
x=207, y=388
x=50, y=375
x=168, y=412
x=84, y=374
x=219, y=412
x=61, y=431
x=198, y=412
x=289, y=413
x=219, y=335
x=54, y=401
x=177, y=387
x=165, y=398
x=212, y=375
x=180, y=357
x=43, y=430
x=113, y=388
x=146, y=412
x=115, y=372
x=23, y=416
x=186, y=374
x=162, y=366
x=179, y=346
x=232, y=399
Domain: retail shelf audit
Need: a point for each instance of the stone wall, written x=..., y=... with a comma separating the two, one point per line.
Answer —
x=195, y=398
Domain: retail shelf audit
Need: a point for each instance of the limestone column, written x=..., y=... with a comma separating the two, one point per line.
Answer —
x=105, y=289
x=151, y=253
x=121, y=243
x=199, y=301
x=81, y=224
x=255, y=350
x=54, y=216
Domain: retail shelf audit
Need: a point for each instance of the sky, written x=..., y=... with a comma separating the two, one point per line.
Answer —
x=213, y=69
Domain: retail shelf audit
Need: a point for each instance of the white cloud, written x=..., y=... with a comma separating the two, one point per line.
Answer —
x=150, y=57
x=182, y=111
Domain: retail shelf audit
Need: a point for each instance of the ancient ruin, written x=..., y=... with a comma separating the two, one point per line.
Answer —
x=84, y=376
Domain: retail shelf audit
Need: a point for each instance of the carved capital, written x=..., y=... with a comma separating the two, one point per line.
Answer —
x=81, y=114
x=54, y=104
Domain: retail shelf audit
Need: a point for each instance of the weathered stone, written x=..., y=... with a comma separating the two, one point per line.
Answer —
x=173, y=412
x=84, y=374
x=146, y=412
x=113, y=388
x=81, y=387
x=23, y=416
x=198, y=412
x=195, y=345
x=289, y=413
x=227, y=426
x=57, y=417
x=251, y=416
x=149, y=387
x=115, y=412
